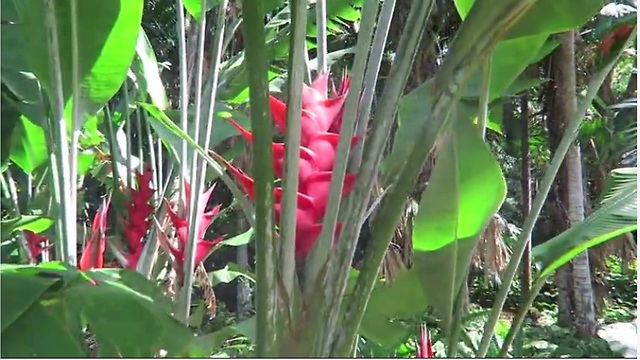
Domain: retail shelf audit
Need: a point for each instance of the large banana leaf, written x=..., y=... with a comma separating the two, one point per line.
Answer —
x=616, y=216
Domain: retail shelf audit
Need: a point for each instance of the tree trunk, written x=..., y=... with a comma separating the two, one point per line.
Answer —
x=584, y=311
x=574, y=281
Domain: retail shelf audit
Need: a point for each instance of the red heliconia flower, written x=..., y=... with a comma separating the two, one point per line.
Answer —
x=36, y=243
x=321, y=120
x=93, y=254
x=203, y=220
x=138, y=210
x=425, y=348
x=618, y=35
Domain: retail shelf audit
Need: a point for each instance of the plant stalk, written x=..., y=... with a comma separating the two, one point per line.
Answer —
x=371, y=78
x=319, y=257
x=184, y=303
x=382, y=122
x=293, y=137
x=321, y=37
x=320, y=252
x=266, y=289
x=483, y=114
x=523, y=309
x=61, y=164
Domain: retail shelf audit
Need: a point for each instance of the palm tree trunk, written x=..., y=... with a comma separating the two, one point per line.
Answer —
x=566, y=103
x=561, y=92
x=584, y=315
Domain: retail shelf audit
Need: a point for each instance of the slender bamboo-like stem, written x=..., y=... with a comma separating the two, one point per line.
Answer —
x=477, y=36
x=567, y=139
x=257, y=66
x=231, y=31
x=60, y=165
x=483, y=111
x=127, y=126
x=76, y=122
x=383, y=119
x=10, y=192
x=184, y=90
x=205, y=137
x=184, y=303
x=321, y=36
x=140, y=143
x=523, y=309
x=292, y=140
x=371, y=78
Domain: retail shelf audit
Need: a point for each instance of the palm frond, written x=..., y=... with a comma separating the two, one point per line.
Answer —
x=617, y=215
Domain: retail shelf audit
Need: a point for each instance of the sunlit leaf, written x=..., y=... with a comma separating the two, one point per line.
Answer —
x=465, y=190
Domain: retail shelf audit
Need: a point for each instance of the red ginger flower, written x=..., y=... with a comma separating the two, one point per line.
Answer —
x=93, y=253
x=321, y=120
x=425, y=348
x=138, y=211
x=36, y=243
x=203, y=220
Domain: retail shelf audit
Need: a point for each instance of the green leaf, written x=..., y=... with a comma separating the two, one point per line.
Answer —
x=551, y=17
x=149, y=71
x=527, y=40
x=195, y=9
x=24, y=291
x=34, y=223
x=28, y=145
x=413, y=110
x=109, y=308
x=616, y=216
x=229, y=273
x=545, y=16
x=127, y=322
x=106, y=45
x=403, y=298
x=465, y=190
x=43, y=332
x=222, y=128
x=239, y=240
x=509, y=60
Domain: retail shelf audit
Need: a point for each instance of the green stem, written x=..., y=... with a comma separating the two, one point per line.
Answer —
x=319, y=256
x=257, y=67
x=76, y=122
x=184, y=298
x=382, y=122
x=10, y=192
x=60, y=166
x=456, y=327
x=184, y=90
x=292, y=140
x=484, y=97
x=321, y=37
x=523, y=309
x=567, y=139
x=371, y=78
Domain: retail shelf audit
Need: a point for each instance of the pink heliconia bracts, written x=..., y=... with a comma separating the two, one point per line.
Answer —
x=203, y=220
x=321, y=120
x=425, y=348
x=93, y=253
